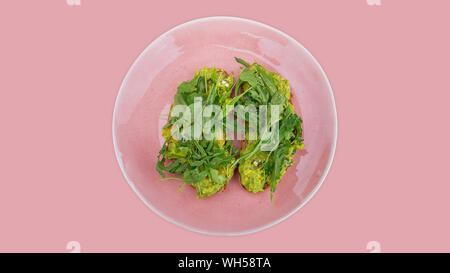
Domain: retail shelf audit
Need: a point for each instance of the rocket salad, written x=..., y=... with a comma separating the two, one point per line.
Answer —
x=207, y=164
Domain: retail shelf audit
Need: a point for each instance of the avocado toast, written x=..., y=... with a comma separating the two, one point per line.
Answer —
x=206, y=165
x=259, y=168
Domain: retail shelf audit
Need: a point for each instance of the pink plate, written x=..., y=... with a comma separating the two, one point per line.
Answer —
x=147, y=93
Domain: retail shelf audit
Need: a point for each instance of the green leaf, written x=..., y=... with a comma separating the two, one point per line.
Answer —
x=251, y=77
x=217, y=177
x=267, y=79
x=239, y=60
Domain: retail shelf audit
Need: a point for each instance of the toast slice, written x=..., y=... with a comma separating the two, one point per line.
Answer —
x=204, y=164
x=259, y=168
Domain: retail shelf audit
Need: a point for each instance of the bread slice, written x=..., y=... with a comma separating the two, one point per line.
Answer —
x=208, y=185
x=255, y=174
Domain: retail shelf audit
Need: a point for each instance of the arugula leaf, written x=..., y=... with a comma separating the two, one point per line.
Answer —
x=239, y=60
x=268, y=80
x=217, y=177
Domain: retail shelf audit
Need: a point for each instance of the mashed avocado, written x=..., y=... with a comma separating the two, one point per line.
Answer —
x=252, y=173
x=208, y=187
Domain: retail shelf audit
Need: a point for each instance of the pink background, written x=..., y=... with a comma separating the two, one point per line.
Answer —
x=60, y=70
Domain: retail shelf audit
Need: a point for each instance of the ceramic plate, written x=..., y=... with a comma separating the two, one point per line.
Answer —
x=147, y=93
